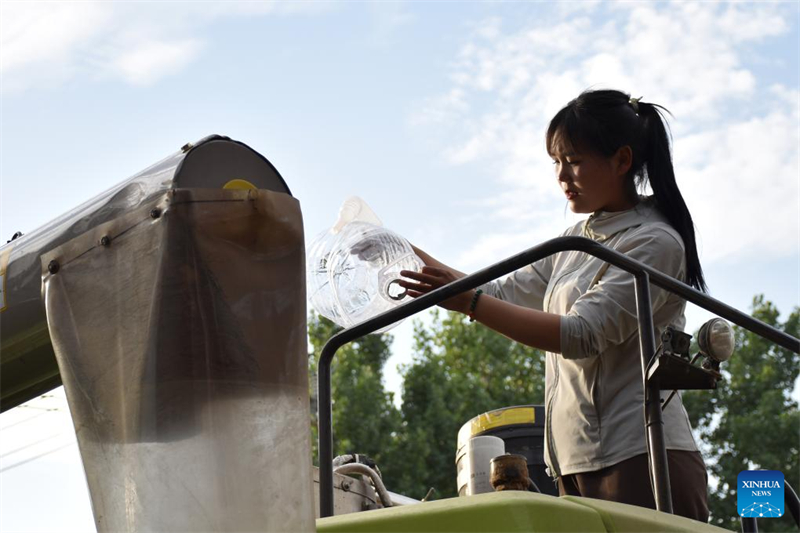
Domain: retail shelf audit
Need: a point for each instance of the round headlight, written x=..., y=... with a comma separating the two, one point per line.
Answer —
x=716, y=339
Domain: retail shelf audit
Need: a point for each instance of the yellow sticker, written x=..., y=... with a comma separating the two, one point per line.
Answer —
x=242, y=185
x=502, y=417
x=3, y=265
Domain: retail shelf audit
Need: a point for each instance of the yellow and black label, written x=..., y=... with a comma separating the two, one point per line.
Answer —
x=499, y=418
x=502, y=417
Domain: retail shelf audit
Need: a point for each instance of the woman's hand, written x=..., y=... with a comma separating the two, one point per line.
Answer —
x=431, y=278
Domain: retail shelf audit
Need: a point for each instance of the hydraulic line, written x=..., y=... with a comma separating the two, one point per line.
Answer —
x=364, y=470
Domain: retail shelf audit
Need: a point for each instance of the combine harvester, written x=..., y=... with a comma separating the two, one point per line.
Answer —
x=173, y=310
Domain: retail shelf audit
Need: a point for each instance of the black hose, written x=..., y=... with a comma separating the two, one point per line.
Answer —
x=791, y=501
x=749, y=524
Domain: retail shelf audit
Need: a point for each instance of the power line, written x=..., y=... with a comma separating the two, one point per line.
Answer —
x=15, y=450
x=32, y=406
x=28, y=460
x=39, y=408
x=24, y=420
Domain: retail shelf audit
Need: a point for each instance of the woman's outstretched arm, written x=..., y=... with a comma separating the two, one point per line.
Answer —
x=528, y=326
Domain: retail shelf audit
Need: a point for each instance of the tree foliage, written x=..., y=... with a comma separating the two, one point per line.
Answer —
x=364, y=415
x=750, y=421
x=459, y=370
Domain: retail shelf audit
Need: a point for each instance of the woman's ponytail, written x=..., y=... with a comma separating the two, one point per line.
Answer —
x=657, y=160
x=605, y=120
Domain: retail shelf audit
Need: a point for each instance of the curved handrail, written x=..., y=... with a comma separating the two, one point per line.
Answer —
x=642, y=273
x=791, y=501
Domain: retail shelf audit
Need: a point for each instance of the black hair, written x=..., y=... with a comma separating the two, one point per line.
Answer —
x=602, y=122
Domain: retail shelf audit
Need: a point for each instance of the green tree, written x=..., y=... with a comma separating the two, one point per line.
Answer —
x=364, y=415
x=459, y=370
x=750, y=421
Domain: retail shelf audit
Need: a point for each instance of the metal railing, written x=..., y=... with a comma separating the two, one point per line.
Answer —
x=643, y=276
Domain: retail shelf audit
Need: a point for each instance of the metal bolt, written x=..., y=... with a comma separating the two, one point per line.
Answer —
x=368, y=505
x=105, y=240
x=155, y=213
x=186, y=147
x=53, y=266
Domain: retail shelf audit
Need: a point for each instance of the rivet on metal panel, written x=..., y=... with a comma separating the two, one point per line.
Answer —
x=155, y=213
x=345, y=485
x=105, y=240
x=186, y=147
x=53, y=266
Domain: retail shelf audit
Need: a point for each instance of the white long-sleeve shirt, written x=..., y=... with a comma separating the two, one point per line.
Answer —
x=593, y=389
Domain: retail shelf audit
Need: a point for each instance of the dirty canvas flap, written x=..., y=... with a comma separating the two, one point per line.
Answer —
x=180, y=333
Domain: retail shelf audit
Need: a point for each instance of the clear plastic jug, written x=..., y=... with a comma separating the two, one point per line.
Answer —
x=353, y=268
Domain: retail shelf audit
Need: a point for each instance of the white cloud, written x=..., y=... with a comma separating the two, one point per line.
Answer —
x=731, y=148
x=742, y=182
x=149, y=61
x=47, y=43
x=34, y=31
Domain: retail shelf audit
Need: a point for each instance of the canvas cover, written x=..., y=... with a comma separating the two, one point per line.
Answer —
x=180, y=333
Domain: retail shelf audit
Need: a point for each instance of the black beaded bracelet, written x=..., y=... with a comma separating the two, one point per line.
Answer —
x=473, y=304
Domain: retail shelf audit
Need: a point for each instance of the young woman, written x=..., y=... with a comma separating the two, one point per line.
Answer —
x=582, y=311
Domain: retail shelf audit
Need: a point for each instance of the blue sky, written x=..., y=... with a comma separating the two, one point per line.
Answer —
x=434, y=113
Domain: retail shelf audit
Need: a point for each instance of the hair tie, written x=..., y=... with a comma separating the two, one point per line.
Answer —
x=635, y=104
